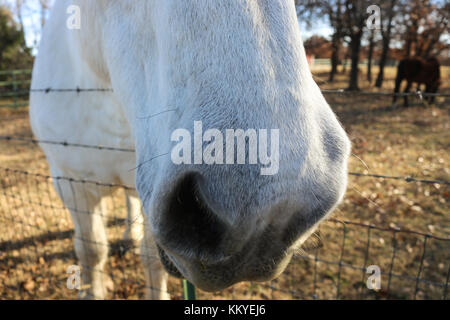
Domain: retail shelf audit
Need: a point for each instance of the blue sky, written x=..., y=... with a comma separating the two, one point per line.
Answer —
x=321, y=28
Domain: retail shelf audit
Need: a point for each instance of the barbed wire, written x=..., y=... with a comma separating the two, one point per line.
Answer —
x=19, y=92
x=97, y=183
x=419, y=94
x=408, y=179
x=64, y=144
x=394, y=230
x=390, y=229
x=78, y=90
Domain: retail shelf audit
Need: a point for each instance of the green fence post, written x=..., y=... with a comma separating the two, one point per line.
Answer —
x=189, y=291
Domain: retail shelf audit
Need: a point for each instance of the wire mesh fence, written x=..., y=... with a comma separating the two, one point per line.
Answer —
x=11, y=84
x=36, y=235
x=21, y=91
x=36, y=249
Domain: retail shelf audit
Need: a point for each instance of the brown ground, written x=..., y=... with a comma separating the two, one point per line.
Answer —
x=36, y=245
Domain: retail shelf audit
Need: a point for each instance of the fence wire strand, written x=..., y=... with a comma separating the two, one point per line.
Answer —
x=419, y=94
x=30, y=233
x=107, y=148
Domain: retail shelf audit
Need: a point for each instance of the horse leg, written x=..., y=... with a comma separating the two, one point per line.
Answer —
x=135, y=220
x=398, y=83
x=84, y=202
x=155, y=275
x=432, y=98
x=408, y=87
x=431, y=88
x=428, y=90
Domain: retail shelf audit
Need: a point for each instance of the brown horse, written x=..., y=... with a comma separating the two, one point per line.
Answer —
x=420, y=71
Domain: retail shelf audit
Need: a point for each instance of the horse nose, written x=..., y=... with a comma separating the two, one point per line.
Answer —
x=188, y=225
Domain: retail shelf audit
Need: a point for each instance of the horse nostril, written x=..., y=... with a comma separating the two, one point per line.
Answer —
x=188, y=226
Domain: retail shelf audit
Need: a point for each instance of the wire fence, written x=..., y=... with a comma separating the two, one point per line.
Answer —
x=107, y=148
x=20, y=91
x=36, y=248
x=420, y=94
x=36, y=232
x=11, y=82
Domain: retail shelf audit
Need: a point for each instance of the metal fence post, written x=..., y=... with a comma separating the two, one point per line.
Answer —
x=189, y=291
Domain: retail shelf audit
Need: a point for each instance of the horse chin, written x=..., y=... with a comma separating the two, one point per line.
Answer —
x=168, y=264
x=262, y=274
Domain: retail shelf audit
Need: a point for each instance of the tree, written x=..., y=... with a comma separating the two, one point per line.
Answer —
x=11, y=35
x=333, y=11
x=425, y=23
x=370, y=55
x=335, y=16
x=355, y=17
x=18, y=8
x=14, y=53
x=318, y=46
x=45, y=8
x=386, y=34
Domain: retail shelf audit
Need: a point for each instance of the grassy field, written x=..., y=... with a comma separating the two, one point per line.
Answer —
x=36, y=245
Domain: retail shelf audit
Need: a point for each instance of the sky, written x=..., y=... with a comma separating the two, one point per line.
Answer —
x=31, y=18
x=321, y=28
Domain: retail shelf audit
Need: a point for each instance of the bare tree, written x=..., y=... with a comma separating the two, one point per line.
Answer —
x=355, y=21
x=18, y=9
x=389, y=13
x=333, y=10
x=434, y=28
x=424, y=24
x=45, y=7
x=336, y=19
x=370, y=55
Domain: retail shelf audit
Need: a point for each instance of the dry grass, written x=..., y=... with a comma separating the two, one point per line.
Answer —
x=36, y=232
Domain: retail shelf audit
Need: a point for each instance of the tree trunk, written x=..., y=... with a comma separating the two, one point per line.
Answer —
x=337, y=37
x=383, y=58
x=370, y=57
x=2, y=50
x=354, y=72
x=346, y=58
x=386, y=44
x=334, y=57
x=408, y=47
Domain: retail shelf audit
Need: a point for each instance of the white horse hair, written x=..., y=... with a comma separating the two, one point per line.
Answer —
x=231, y=64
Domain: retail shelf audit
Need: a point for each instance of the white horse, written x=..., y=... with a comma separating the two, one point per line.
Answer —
x=234, y=64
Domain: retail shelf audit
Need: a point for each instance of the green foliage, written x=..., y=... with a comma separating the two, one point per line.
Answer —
x=14, y=54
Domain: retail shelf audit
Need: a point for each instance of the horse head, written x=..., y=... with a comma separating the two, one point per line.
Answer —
x=195, y=79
